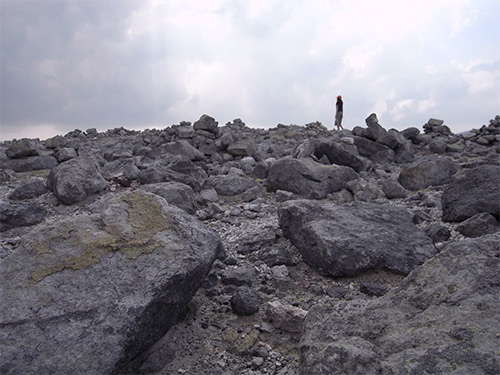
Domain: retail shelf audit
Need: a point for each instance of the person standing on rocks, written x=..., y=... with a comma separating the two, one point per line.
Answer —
x=339, y=111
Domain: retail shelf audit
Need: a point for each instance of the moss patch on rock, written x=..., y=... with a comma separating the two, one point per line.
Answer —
x=145, y=216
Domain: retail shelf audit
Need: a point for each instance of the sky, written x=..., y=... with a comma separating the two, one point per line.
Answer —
x=81, y=64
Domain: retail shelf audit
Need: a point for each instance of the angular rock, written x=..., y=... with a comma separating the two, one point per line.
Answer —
x=244, y=147
x=308, y=178
x=276, y=256
x=439, y=321
x=175, y=193
x=345, y=240
x=230, y=184
x=88, y=294
x=30, y=163
x=245, y=301
x=477, y=192
x=478, y=225
x=374, y=151
x=183, y=148
x=22, y=148
x=14, y=215
x=32, y=188
x=285, y=317
x=393, y=189
x=427, y=172
x=65, y=153
x=206, y=123
x=438, y=233
x=340, y=154
x=75, y=179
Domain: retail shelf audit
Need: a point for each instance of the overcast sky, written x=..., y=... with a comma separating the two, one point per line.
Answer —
x=149, y=64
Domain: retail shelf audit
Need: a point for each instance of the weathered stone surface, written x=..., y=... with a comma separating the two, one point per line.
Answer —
x=32, y=188
x=374, y=151
x=65, y=153
x=443, y=319
x=87, y=294
x=22, y=148
x=183, y=148
x=245, y=301
x=176, y=193
x=75, y=179
x=206, y=123
x=477, y=192
x=244, y=147
x=14, y=215
x=308, y=178
x=230, y=184
x=30, y=163
x=286, y=317
x=427, y=172
x=345, y=240
x=479, y=225
x=393, y=189
x=340, y=154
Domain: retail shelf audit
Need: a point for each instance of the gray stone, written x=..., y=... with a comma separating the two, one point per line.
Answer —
x=31, y=188
x=88, y=294
x=244, y=147
x=443, y=319
x=22, y=148
x=239, y=276
x=285, y=317
x=183, y=148
x=75, y=179
x=30, y=163
x=438, y=233
x=230, y=184
x=206, y=123
x=308, y=178
x=340, y=153
x=478, y=225
x=175, y=193
x=427, y=172
x=477, y=192
x=276, y=256
x=345, y=240
x=65, y=153
x=376, y=152
x=245, y=301
x=14, y=215
x=393, y=189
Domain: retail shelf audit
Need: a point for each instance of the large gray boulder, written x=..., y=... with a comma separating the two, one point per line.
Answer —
x=443, y=319
x=89, y=293
x=427, y=172
x=340, y=154
x=30, y=163
x=345, y=240
x=75, y=180
x=477, y=192
x=308, y=178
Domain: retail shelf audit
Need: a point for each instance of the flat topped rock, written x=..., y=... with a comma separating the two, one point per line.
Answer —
x=87, y=294
x=345, y=240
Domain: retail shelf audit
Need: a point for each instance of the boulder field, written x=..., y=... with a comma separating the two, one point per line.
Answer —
x=295, y=250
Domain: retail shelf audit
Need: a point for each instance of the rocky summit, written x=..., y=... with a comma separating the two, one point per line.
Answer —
x=296, y=250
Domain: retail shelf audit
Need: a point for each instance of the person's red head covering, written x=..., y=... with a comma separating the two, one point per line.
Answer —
x=339, y=97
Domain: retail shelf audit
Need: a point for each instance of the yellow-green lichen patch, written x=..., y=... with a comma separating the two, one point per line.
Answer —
x=145, y=216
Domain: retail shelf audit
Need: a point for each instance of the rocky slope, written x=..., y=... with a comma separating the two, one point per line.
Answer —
x=207, y=249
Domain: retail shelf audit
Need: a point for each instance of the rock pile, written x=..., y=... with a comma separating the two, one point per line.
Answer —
x=202, y=248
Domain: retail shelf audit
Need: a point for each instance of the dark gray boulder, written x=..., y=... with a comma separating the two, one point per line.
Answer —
x=30, y=163
x=14, y=215
x=75, y=180
x=31, y=188
x=374, y=151
x=230, y=184
x=345, y=240
x=477, y=192
x=427, y=172
x=308, y=178
x=245, y=301
x=340, y=154
x=478, y=225
x=443, y=319
x=89, y=293
x=183, y=148
x=206, y=123
x=23, y=147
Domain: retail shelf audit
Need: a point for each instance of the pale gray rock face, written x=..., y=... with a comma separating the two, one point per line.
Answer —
x=308, y=178
x=443, y=319
x=87, y=294
x=22, y=148
x=427, y=172
x=75, y=179
x=345, y=240
x=477, y=192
